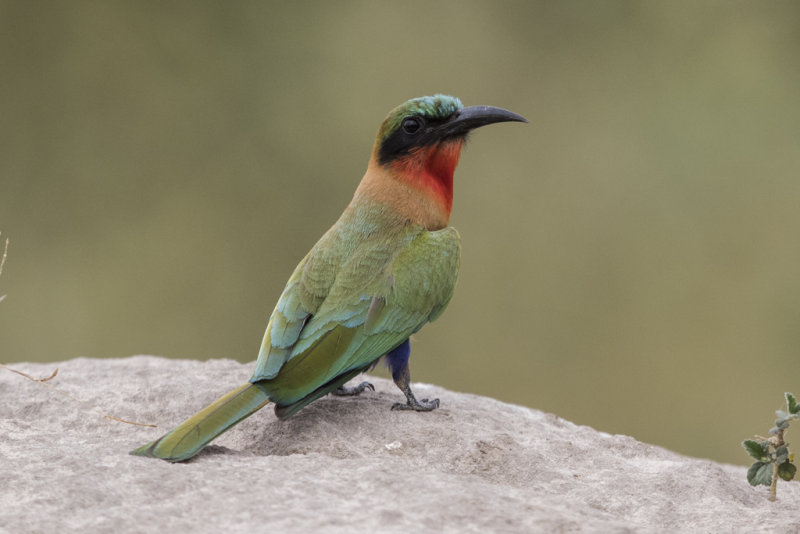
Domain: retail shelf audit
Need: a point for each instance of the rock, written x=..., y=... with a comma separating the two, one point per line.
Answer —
x=340, y=465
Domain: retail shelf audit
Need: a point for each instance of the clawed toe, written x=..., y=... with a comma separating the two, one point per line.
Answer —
x=434, y=403
x=423, y=405
x=344, y=391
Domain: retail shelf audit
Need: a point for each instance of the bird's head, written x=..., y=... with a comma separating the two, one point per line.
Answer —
x=420, y=142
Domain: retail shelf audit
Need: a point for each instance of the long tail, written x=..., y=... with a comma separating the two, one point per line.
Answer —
x=189, y=437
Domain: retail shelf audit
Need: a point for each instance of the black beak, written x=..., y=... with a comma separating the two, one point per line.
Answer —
x=473, y=117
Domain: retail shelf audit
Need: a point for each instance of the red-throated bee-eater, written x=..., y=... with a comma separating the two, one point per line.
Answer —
x=386, y=268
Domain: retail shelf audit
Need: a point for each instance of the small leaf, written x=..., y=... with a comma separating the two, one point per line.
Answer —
x=774, y=430
x=791, y=403
x=759, y=450
x=786, y=471
x=760, y=473
x=781, y=454
x=782, y=424
x=780, y=414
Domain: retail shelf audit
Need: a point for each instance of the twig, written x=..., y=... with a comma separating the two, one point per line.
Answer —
x=777, y=441
x=64, y=393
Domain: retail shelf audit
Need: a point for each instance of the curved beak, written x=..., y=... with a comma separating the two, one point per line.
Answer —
x=473, y=117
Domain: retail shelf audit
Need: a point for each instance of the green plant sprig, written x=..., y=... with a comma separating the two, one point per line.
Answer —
x=773, y=459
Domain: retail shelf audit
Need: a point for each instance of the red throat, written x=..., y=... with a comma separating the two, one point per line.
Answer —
x=430, y=169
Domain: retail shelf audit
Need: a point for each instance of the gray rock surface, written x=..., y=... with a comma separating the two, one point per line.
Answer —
x=340, y=465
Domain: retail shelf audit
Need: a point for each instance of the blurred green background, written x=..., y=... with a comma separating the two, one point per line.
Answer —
x=630, y=257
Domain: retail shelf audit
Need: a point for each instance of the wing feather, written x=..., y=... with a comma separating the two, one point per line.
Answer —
x=376, y=300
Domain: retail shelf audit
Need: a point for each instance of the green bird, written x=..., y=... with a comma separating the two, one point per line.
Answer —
x=386, y=268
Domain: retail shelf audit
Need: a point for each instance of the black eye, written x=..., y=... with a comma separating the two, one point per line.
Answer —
x=412, y=125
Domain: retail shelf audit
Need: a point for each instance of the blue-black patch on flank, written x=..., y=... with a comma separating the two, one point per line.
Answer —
x=397, y=359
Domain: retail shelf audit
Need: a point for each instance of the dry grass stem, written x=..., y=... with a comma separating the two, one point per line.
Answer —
x=64, y=393
x=127, y=422
x=3, y=262
x=5, y=255
x=29, y=377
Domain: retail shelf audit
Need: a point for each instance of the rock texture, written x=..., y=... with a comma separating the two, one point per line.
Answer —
x=340, y=465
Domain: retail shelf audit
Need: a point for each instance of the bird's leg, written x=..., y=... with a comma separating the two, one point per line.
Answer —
x=398, y=363
x=403, y=381
x=344, y=391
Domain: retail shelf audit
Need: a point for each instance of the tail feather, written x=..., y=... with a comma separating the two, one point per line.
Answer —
x=189, y=437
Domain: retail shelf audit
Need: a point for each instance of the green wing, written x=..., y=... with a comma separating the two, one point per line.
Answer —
x=338, y=314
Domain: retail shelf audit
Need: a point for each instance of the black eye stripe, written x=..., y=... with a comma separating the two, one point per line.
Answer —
x=413, y=131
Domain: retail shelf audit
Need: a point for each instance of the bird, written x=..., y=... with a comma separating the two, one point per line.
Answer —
x=387, y=267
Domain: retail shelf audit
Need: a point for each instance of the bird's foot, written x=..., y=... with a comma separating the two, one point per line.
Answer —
x=423, y=405
x=398, y=362
x=345, y=391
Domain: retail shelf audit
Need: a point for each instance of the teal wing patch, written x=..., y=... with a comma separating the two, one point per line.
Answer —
x=380, y=295
x=284, y=327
